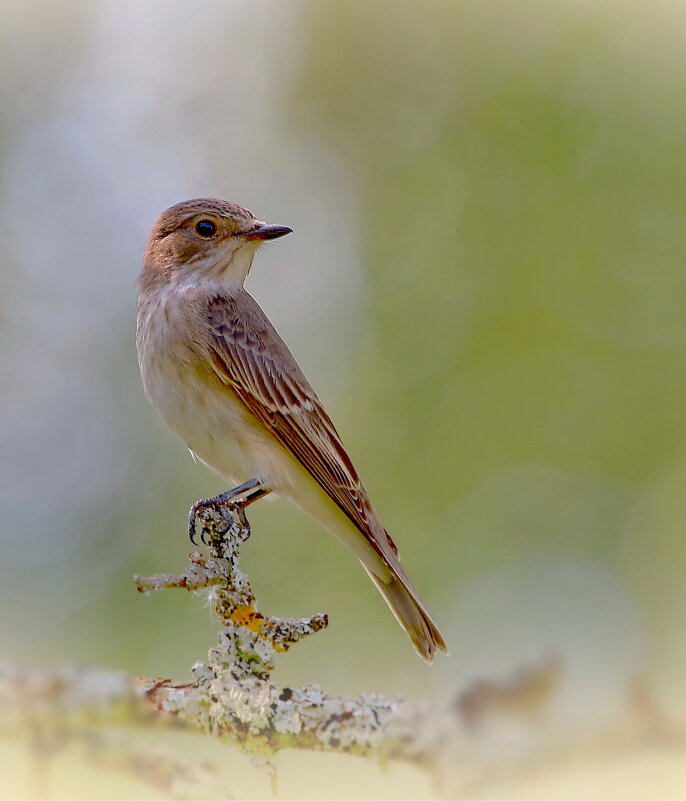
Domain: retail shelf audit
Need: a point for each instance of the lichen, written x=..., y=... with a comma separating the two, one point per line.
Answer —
x=232, y=696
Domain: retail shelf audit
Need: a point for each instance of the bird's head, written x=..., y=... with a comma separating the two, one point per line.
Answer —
x=204, y=239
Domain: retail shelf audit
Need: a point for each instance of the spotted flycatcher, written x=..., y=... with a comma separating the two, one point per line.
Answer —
x=215, y=369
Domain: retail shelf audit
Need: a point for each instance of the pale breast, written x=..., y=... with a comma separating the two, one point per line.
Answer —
x=205, y=414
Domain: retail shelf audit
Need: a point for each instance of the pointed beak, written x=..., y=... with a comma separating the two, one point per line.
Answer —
x=267, y=231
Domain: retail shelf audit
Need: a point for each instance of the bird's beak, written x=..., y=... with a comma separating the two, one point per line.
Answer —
x=267, y=231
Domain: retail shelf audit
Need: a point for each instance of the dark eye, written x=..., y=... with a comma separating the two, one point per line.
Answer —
x=205, y=228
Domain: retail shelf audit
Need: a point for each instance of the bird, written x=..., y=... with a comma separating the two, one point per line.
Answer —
x=218, y=373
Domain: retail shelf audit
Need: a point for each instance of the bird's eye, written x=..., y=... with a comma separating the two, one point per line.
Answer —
x=205, y=228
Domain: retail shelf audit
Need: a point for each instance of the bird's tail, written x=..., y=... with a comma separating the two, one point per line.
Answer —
x=410, y=612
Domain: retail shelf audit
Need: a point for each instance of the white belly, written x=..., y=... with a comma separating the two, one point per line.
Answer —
x=209, y=419
x=219, y=430
x=214, y=425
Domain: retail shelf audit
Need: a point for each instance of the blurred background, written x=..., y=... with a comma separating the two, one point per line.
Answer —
x=486, y=286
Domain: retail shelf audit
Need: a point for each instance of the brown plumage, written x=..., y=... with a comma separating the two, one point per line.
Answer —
x=218, y=372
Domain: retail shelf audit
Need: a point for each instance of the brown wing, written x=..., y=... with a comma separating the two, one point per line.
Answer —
x=255, y=362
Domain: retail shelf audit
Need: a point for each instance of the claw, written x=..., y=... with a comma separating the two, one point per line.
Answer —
x=227, y=501
x=192, y=532
x=192, y=522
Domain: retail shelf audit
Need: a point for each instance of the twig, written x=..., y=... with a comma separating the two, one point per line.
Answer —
x=91, y=711
x=231, y=697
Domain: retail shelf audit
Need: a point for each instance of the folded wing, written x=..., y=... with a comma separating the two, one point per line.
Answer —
x=251, y=358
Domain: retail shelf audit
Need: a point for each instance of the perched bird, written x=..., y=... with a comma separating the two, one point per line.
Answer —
x=215, y=369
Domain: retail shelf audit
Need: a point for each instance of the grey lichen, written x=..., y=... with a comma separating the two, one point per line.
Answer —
x=231, y=696
x=99, y=714
x=465, y=747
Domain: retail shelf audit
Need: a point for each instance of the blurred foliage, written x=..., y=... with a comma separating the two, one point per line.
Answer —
x=499, y=188
x=522, y=171
x=486, y=286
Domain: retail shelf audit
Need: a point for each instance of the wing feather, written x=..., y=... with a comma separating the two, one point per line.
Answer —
x=254, y=361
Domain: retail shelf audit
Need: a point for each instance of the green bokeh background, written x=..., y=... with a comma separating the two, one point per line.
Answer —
x=501, y=190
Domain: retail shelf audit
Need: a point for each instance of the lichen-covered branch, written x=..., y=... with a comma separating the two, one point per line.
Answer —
x=248, y=640
x=99, y=713
x=91, y=712
x=231, y=696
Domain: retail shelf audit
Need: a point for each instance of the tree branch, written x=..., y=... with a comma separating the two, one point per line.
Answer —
x=232, y=697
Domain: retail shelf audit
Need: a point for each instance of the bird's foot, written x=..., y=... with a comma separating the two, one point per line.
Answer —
x=201, y=519
x=228, y=508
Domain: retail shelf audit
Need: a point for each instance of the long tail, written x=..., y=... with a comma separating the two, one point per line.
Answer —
x=410, y=612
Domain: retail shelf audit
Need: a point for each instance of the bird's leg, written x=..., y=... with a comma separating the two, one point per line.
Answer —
x=254, y=489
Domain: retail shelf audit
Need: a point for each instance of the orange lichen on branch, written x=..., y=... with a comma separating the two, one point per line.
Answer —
x=247, y=616
x=231, y=696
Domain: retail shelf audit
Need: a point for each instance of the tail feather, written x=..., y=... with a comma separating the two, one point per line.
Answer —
x=410, y=612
